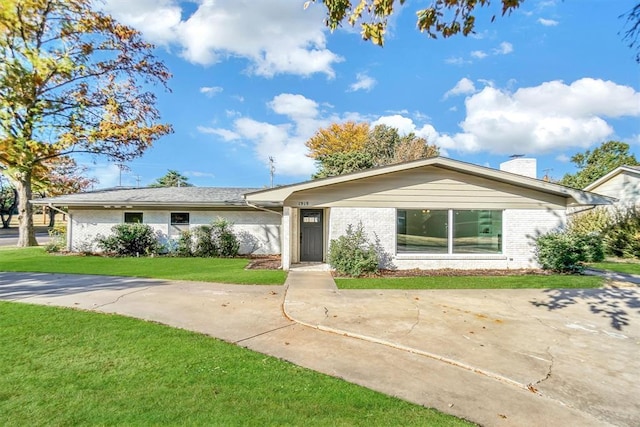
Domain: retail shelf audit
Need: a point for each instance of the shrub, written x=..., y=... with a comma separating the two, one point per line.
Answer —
x=596, y=220
x=226, y=241
x=352, y=253
x=57, y=238
x=623, y=237
x=215, y=240
x=130, y=240
x=567, y=252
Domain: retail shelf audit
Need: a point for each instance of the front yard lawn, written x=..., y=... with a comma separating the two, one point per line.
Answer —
x=473, y=282
x=221, y=270
x=67, y=367
x=620, y=267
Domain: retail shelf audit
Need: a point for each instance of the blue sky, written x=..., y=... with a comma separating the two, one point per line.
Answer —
x=253, y=79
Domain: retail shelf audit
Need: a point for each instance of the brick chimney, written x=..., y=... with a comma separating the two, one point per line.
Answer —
x=521, y=166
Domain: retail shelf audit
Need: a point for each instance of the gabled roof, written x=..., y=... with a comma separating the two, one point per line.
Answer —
x=633, y=170
x=161, y=196
x=578, y=197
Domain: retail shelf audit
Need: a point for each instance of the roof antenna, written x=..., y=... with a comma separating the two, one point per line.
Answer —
x=272, y=168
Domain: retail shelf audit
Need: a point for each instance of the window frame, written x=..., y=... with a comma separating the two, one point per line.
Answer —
x=172, y=222
x=133, y=213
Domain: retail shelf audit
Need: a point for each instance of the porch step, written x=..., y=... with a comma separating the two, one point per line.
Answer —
x=303, y=279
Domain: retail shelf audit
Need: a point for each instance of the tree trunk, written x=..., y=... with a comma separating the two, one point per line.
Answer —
x=27, y=235
x=52, y=217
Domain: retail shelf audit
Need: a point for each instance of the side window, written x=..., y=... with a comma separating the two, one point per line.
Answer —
x=133, y=217
x=179, y=218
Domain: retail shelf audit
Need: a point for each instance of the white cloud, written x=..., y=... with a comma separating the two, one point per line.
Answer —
x=225, y=134
x=550, y=117
x=455, y=60
x=363, y=82
x=107, y=174
x=479, y=54
x=199, y=174
x=563, y=158
x=294, y=106
x=276, y=36
x=505, y=48
x=463, y=87
x=211, y=91
x=548, y=22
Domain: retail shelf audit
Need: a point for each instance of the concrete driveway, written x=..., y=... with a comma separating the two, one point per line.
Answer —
x=512, y=358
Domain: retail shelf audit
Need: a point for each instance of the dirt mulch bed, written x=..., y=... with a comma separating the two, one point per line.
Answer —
x=273, y=262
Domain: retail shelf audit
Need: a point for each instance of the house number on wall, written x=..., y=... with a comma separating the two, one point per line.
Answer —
x=303, y=203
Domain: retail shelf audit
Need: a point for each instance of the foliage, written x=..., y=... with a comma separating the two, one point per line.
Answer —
x=352, y=253
x=73, y=367
x=172, y=178
x=338, y=138
x=443, y=17
x=72, y=80
x=130, y=239
x=64, y=176
x=633, y=30
x=57, y=239
x=597, y=220
x=345, y=148
x=215, y=240
x=8, y=201
x=566, y=252
x=623, y=236
x=218, y=270
x=595, y=164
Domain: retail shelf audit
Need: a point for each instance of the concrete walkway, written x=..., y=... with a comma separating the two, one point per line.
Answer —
x=498, y=358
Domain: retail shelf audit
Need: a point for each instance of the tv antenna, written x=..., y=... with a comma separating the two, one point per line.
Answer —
x=272, y=168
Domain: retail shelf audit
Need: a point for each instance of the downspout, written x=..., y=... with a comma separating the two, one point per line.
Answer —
x=251, y=205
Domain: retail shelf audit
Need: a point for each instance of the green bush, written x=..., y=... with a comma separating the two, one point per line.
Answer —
x=597, y=220
x=215, y=240
x=226, y=241
x=623, y=237
x=567, y=252
x=352, y=253
x=130, y=240
x=57, y=239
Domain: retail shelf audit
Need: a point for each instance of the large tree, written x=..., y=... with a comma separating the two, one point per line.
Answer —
x=72, y=80
x=172, y=178
x=595, y=164
x=348, y=147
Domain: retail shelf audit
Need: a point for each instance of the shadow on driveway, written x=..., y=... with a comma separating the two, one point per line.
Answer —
x=611, y=303
x=14, y=286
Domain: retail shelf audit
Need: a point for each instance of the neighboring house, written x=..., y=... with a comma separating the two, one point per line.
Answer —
x=622, y=183
x=432, y=213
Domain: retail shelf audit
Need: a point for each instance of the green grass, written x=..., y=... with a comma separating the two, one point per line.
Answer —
x=222, y=270
x=67, y=367
x=473, y=282
x=620, y=267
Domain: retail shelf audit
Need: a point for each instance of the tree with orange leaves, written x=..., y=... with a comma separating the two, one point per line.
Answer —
x=71, y=81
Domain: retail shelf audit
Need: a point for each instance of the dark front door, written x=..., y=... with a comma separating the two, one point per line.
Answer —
x=311, y=235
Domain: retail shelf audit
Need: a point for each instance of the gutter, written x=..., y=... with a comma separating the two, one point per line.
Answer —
x=251, y=205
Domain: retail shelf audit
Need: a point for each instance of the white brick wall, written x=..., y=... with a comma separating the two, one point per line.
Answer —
x=259, y=232
x=520, y=227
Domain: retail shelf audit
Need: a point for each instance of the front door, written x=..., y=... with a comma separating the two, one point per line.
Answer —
x=311, y=233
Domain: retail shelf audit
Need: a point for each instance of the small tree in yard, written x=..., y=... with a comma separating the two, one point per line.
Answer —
x=352, y=253
x=215, y=240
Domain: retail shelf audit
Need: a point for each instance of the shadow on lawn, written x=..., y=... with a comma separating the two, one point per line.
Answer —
x=15, y=286
x=612, y=303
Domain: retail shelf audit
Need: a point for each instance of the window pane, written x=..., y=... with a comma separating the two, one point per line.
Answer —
x=478, y=231
x=422, y=230
x=179, y=218
x=133, y=217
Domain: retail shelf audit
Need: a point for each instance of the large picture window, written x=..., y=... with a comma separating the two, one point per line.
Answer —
x=449, y=231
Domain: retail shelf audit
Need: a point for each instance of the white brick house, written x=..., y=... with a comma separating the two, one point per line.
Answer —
x=429, y=214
